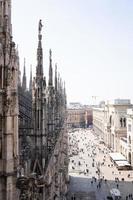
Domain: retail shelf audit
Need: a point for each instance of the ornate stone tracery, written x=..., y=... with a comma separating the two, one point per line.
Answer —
x=44, y=130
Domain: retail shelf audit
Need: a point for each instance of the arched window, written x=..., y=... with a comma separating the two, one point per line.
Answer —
x=129, y=139
x=38, y=92
x=110, y=119
x=121, y=122
x=124, y=122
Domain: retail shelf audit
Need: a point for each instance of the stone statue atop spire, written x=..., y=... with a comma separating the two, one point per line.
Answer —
x=40, y=26
x=39, y=68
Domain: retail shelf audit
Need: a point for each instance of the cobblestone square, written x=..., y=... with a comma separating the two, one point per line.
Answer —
x=88, y=157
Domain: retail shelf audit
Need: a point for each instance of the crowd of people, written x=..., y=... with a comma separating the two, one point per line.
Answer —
x=89, y=157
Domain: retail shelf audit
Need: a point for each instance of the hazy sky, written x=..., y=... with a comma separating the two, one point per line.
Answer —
x=91, y=41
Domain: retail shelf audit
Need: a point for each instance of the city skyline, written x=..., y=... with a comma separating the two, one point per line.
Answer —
x=91, y=42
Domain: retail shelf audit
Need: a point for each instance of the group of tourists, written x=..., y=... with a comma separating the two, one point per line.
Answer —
x=89, y=158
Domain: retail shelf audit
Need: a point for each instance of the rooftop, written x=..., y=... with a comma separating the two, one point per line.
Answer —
x=120, y=102
x=77, y=105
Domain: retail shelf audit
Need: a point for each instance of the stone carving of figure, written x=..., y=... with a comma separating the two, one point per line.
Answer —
x=40, y=25
x=121, y=122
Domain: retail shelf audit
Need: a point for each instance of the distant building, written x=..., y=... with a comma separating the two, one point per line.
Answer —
x=98, y=120
x=109, y=121
x=115, y=125
x=129, y=141
x=79, y=116
x=88, y=116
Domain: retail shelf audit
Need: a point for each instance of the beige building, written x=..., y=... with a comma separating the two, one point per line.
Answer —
x=98, y=121
x=114, y=123
x=124, y=147
x=110, y=122
x=115, y=119
x=79, y=115
x=130, y=136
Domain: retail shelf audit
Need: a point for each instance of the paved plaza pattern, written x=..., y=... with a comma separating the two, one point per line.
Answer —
x=92, y=173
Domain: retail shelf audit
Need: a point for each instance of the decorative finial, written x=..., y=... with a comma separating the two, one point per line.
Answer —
x=24, y=66
x=40, y=26
x=50, y=53
x=50, y=68
x=50, y=57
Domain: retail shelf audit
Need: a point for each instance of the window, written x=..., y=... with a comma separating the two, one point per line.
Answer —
x=110, y=120
x=124, y=122
x=129, y=127
x=121, y=122
x=129, y=139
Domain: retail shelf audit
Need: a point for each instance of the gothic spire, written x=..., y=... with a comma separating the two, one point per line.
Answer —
x=65, y=97
x=30, y=83
x=24, y=78
x=39, y=68
x=5, y=15
x=55, y=77
x=58, y=81
x=50, y=69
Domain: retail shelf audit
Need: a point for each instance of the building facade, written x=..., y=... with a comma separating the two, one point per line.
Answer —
x=129, y=141
x=110, y=122
x=33, y=134
x=98, y=121
x=79, y=116
x=43, y=133
x=8, y=105
x=116, y=126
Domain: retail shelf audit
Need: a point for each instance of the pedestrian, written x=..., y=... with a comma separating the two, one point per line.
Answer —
x=117, y=185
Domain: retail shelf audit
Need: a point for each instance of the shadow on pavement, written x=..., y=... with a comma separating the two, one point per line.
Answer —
x=83, y=188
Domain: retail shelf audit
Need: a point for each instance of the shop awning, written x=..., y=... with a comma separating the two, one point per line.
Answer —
x=122, y=163
x=117, y=156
